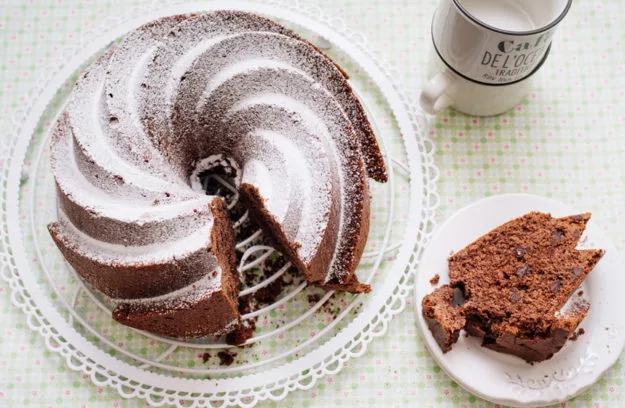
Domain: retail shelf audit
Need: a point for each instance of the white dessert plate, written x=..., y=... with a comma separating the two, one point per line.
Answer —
x=507, y=379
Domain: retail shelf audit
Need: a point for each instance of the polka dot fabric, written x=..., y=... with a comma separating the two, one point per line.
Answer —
x=566, y=141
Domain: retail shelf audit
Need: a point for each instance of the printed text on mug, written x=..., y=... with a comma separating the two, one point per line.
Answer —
x=512, y=59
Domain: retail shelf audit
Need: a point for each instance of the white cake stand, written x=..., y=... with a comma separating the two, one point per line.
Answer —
x=303, y=335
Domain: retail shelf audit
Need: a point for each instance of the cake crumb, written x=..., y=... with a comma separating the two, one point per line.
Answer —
x=435, y=279
x=239, y=336
x=226, y=357
x=576, y=334
x=580, y=293
x=313, y=299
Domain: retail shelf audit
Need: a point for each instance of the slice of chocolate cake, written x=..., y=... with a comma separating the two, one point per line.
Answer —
x=515, y=281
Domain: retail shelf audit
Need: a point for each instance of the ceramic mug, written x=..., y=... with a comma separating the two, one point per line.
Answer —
x=485, y=52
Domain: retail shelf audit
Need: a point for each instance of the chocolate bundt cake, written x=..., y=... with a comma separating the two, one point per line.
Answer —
x=174, y=99
x=514, y=284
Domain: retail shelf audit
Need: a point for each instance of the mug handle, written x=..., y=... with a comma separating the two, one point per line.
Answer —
x=433, y=98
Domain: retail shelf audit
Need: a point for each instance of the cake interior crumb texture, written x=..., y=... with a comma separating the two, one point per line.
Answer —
x=515, y=281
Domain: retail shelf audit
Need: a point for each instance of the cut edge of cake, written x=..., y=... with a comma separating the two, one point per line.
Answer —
x=182, y=314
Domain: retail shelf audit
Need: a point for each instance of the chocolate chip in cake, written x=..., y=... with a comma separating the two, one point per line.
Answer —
x=555, y=286
x=520, y=252
x=577, y=271
x=458, y=298
x=577, y=218
x=522, y=271
x=515, y=296
x=556, y=237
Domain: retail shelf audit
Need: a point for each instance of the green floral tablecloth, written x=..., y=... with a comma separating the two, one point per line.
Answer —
x=565, y=141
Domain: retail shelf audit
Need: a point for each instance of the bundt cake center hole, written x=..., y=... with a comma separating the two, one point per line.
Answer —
x=219, y=182
x=217, y=176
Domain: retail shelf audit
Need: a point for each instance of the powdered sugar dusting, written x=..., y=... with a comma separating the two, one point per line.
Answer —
x=121, y=254
x=295, y=159
x=192, y=293
x=126, y=133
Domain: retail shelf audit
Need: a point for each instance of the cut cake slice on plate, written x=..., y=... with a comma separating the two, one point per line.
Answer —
x=516, y=280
